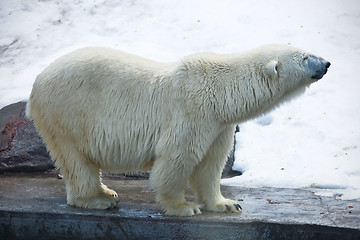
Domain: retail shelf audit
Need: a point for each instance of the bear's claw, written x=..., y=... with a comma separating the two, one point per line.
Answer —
x=228, y=208
x=197, y=211
x=237, y=207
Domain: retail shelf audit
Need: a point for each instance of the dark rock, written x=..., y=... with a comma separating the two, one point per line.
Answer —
x=21, y=148
x=228, y=169
x=130, y=175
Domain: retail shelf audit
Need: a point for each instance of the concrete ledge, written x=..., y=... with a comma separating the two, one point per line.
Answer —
x=33, y=207
x=17, y=225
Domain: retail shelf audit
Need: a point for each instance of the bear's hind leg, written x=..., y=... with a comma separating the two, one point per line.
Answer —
x=170, y=183
x=83, y=183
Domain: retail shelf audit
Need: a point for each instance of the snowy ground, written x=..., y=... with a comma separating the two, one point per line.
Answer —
x=312, y=142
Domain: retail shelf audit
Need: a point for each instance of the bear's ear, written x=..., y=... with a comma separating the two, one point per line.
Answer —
x=271, y=68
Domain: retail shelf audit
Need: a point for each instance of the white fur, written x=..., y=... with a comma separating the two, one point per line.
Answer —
x=99, y=108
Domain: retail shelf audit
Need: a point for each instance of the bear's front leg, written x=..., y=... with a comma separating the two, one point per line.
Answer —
x=169, y=179
x=205, y=179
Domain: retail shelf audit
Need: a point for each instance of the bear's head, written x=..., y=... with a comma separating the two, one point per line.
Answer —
x=275, y=74
x=290, y=70
x=293, y=66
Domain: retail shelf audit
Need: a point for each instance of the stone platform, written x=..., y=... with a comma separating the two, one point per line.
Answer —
x=33, y=206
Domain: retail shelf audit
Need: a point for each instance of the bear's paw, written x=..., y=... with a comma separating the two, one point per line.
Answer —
x=224, y=205
x=100, y=201
x=186, y=209
x=109, y=191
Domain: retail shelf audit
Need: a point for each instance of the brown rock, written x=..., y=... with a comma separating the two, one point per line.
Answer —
x=21, y=148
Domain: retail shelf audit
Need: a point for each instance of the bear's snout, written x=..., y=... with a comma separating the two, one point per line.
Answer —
x=317, y=66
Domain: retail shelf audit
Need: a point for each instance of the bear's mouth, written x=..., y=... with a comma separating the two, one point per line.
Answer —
x=320, y=73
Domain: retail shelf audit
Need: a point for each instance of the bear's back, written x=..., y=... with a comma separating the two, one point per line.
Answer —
x=101, y=62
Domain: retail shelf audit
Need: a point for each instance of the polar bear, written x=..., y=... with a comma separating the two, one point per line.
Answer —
x=99, y=108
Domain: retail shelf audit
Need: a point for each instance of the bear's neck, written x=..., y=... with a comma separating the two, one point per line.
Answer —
x=245, y=99
x=245, y=91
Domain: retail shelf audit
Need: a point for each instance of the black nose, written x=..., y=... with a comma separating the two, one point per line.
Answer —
x=327, y=65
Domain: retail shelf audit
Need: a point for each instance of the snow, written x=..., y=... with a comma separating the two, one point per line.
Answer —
x=312, y=142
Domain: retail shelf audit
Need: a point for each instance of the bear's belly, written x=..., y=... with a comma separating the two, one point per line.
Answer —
x=131, y=159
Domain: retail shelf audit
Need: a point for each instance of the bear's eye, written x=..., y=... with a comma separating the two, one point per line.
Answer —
x=305, y=58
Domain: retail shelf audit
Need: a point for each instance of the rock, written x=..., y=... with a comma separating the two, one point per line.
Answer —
x=21, y=148
x=228, y=169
